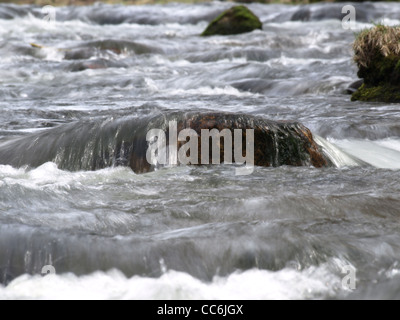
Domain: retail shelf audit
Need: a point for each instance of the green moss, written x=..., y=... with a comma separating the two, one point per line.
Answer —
x=236, y=20
x=381, y=93
x=381, y=69
x=377, y=54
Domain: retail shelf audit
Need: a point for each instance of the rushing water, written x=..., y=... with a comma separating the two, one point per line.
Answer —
x=196, y=232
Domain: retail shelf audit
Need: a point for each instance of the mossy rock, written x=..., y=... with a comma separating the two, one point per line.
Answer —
x=236, y=20
x=381, y=93
x=381, y=69
x=377, y=54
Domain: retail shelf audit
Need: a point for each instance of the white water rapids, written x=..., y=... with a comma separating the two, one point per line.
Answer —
x=197, y=232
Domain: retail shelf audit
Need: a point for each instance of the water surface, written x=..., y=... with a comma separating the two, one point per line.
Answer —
x=196, y=232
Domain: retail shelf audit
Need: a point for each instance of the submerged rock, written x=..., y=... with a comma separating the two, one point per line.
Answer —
x=101, y=49
x=95, y=64
x=236, y=20
x=333, y=11
x=353, y=87
x=302, y=14
x=377, y=54
x=96, y=145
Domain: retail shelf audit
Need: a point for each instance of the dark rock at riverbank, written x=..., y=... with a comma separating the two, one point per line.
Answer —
x=354, y=86
x=236, y=20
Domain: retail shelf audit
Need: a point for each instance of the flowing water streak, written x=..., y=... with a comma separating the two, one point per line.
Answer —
x=338, y=157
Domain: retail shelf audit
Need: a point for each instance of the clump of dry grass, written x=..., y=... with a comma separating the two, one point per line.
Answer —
x=380, y=39
x=377, y=54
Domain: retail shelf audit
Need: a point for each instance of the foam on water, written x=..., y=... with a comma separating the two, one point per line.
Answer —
x=339, y=158
x=384, y=154
x=208, y=91
x=312, y=283
x=49, y=177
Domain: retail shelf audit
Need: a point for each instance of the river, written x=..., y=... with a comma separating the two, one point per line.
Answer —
x=196, y=232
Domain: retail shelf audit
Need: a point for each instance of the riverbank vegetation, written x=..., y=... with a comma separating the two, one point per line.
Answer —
x=377, y=55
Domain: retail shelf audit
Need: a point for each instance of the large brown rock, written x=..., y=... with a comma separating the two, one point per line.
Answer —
x=95, y=145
